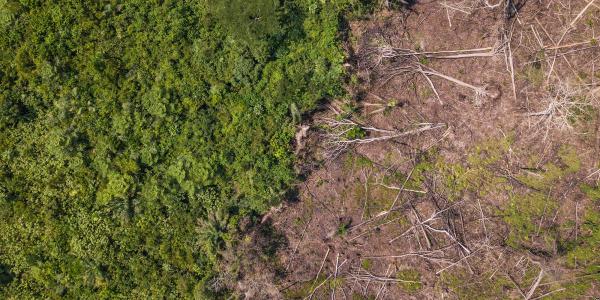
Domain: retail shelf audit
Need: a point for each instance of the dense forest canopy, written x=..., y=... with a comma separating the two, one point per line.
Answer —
x=135, y=134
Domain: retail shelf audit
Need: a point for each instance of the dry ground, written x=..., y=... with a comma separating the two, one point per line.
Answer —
x=455, y=169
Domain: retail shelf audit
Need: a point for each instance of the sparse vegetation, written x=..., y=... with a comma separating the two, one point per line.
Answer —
x=411, y=280
x=466, y=287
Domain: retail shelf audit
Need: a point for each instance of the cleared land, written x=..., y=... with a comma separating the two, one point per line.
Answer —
x=464, y=165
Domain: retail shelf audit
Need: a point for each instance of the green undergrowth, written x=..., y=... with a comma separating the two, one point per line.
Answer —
x=366, y=263
x=551, y=173
x=576, y=289
x=584, y=251
x=534, y=73
x=528, y=199
x=522, y=214
x=464, y=286
x=374, y=198
x=525, y=210
x=380, y=191
x=527, y=195
x=579, y=257
x=478, y=175
x=499, y=286
x=357, y=296
x=319, y=287
x=410, y=280
x=354, y=162
x=301, y=290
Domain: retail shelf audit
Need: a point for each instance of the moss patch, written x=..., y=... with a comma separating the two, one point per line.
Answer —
x=411, y=280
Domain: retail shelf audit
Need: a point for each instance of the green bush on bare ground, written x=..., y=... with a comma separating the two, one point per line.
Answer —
x=410, y=280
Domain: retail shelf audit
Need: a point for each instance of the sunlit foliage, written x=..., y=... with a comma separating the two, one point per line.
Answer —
x=134, y=135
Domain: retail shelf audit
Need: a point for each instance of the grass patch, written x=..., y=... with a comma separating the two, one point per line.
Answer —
x=534, y=72
x=357, y=296
x=477, y=175
x=569, y=164
x=466, y=287
x=356, y=161
x=366, y=263
x=303, y=289
x=523, y=216
x=411, y=280
x=525, y=211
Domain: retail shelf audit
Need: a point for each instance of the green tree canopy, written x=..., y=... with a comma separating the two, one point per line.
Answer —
x=135, y=134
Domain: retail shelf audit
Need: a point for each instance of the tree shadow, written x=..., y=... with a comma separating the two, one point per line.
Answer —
x=513, y=7
x=402, y=4
x=6, y=276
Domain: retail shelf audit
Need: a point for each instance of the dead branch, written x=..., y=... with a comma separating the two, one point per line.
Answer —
x=343, y=133
x=535, y=285
x=319, y=273
x=549, y=293
x=457, y=262
x=563, y=106
x=434, y=216
x=437, y=255
x=363, y=275
x=401, y=189
x=391, y=187
x=312, y=293
x=391, y=62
